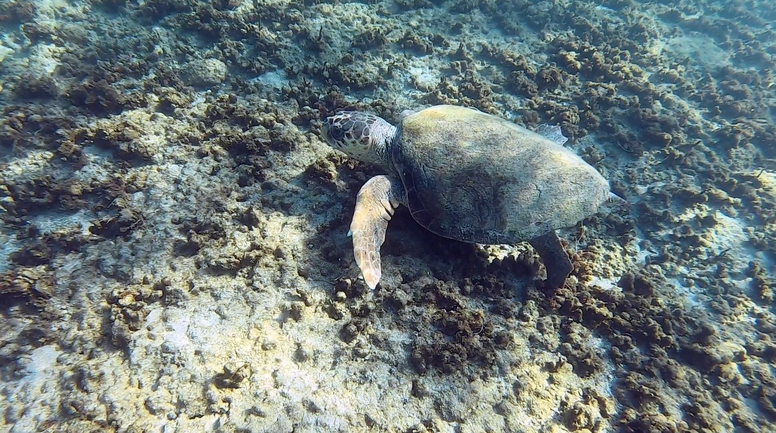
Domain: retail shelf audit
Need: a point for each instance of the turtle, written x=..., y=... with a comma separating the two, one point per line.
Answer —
x=469, y=176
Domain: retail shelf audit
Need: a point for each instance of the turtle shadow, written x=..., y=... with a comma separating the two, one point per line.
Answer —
x=430, y=254
x=417, y=252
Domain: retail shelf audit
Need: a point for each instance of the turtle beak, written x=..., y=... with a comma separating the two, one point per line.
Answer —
x=616, y=199
x=325, y=131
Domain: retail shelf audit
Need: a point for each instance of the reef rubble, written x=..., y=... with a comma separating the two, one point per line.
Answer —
x=174, y=249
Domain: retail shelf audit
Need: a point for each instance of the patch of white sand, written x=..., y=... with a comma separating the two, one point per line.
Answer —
x=698, y=47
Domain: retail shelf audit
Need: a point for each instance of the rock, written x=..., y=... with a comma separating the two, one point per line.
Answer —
x=204, y=73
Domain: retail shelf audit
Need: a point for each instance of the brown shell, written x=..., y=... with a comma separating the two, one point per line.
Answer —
x=478, y=178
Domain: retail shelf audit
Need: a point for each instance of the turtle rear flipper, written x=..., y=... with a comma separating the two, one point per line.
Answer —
x=555, y=259
x=375, y=204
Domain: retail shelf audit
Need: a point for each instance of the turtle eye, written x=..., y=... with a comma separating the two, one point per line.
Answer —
x=335, y=134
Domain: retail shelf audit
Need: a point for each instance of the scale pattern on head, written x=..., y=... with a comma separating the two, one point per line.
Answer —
x=363, y=136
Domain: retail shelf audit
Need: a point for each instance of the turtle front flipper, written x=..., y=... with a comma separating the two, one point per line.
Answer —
x=375, y=204
x=555, y=259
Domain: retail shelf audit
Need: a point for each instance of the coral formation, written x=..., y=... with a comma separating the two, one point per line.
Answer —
x=174, y=229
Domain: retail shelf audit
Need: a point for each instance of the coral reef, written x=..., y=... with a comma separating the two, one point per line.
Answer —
x=174, y=229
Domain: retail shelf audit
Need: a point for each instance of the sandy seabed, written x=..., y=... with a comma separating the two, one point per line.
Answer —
x=174, y=250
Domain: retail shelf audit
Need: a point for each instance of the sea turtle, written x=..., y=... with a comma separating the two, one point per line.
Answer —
x=469, y=176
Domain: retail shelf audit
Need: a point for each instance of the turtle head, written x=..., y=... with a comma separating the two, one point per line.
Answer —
x=363, y=136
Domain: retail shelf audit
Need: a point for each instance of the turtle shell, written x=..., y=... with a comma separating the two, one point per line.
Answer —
x=478, y=178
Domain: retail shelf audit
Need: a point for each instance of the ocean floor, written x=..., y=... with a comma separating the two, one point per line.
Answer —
x=174, y=228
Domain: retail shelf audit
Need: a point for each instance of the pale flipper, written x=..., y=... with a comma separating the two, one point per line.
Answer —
x=375, y=204
x=555, y=259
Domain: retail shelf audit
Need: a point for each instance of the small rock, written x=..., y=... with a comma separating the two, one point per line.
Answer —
x=204, y=72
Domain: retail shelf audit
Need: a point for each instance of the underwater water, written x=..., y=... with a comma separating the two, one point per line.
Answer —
x=174, y=242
